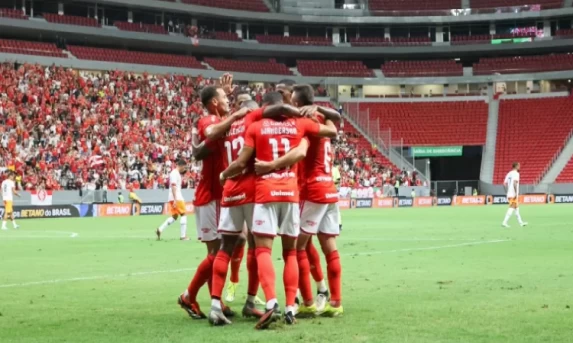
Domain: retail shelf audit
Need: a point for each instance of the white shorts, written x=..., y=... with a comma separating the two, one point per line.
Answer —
x=284, y=216
x=319, y=218
x=233, y=219
x=207, y=221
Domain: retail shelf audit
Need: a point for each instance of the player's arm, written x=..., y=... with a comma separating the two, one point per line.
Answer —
x=174, y=189
x=328, y=113
x=280, y=110
x=14, y=192
x=287, y=160
x=327, y=130
x=516, y=186
x=238, y=165
x=200, y=150
x=216, y=131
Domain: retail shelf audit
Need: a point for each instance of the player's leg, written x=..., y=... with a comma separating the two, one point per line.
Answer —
x=518, y=215
x=311, y=217
x=265, y=220
x=174, y=215
x=183, y=222
x=327, y=234
x=249, y=309
x=316, y=267
x=5, y=217
x=12, y=217
x=339, y=218
x=510, y=211
x=308, y=307
x=289, y=230
x=236, y=259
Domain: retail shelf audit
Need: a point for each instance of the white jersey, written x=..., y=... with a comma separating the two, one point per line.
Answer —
x=175, y=179
x=7, y=188
x=510, y=179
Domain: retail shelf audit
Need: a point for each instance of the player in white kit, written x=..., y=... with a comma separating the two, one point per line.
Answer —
x=176, y=202
x=8, y=192
x=511, y=184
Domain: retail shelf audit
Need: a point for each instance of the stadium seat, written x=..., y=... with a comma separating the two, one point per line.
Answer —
x=124, y=56
x=413, y=7
x=566, y=175
x=333, y=68
x=224, y=35
x=545, y=4
x=394, y=41
x=293, y=40
x=431, y=123
x=12, y=13
x=532, y=132
x=258, y=67
x=422, y=68
x=519, y=64
x=140, y=27
x=242, y=5
x=71, y=20
x=30, y=48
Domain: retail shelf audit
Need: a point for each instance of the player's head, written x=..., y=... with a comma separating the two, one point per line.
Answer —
x=242, y=97
x=181, y=165
x=250, y=104
x=516, y=166
x=285, y=87
x=272, y=98
x=302, y=95
x=11, y=175
x=215, y=100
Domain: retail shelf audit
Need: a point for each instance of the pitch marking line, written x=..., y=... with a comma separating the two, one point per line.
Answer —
x=68, y=234
x=125, y=275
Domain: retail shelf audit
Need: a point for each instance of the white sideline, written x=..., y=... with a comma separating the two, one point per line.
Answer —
x=117, y=276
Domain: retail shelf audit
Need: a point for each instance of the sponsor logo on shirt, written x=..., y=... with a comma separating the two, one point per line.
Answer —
x=331, y=195
x=282, y=193
x=323, y=178
x=287, y=174
x=235, y=198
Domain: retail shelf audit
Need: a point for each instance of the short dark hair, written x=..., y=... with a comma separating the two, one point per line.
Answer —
x=286, y=82
x=252, y=104
x=181, y=162
x=515, y=164
x=305, y=94
x=207, y=94
x=272, y=98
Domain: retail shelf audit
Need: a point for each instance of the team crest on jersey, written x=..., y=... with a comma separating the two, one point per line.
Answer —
x=259, y=222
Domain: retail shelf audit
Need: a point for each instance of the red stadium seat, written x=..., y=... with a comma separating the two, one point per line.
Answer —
x=242, y=5
x=334, y=68
x=71, y=20
x=140, y=27
x=30, y=48
x=12, y=13
x=519, y=64
x=293, y=40
x=395, y=41
x=124, y=56
x=413, y=7
x=258, y=67
x=422, y=68
x=532, y=132
x=566, y=175
x=545, y=4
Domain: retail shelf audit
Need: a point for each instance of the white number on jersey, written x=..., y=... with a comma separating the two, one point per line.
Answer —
x=236, y=145
x=275, y=145
x=327, y=156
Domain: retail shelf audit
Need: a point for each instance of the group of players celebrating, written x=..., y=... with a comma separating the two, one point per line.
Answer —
x=264, y=172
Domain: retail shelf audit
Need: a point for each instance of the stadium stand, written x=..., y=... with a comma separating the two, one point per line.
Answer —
x=422, y=68
x=431, y=123
x=545, y=4
x=519, y=64
x=12, y=14
x=124, y=56
x=293, y=40
x=71, y=20
x=30, y=48
x=333, y=68
x=224, y=35
x=140, y=27
x=532, y=132
x=395, y=41
x=413, y=5
x=566, y=175
x=242, y=5
x=259, y=67
x=474, y=39
x=564, y=33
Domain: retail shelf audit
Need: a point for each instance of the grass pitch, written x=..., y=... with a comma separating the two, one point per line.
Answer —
x=409, y=275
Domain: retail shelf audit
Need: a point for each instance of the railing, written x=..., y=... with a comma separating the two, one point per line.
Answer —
x=464, y=11
x=553, y=159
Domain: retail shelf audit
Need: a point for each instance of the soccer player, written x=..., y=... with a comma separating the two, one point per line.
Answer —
x=8, y=192
x=336, y=178
x=237, y=212
x=319, y=213
x=210, y=128
x=176, y=202
x=511, y=184
x=276, y=204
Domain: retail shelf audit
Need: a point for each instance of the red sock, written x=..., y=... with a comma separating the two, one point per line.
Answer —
x=253, y=281
x=220, y=267
x=334, y=276
x=314, y=260
x=290, y=276
x=304, y=277
x=236, y=263
x=266, y=272
x=202, y=276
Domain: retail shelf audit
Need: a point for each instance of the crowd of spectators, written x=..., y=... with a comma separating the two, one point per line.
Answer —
x=65, y=129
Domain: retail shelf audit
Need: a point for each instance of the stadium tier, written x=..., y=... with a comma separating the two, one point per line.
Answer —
x=519, y=64
x=333, y=68
x=379, y=41
x=71, y=20
x=532, y=132
x=566, y=175
x=224, y=35
x=139, y=27
x=413, y=5
x=124, y=56
x=259, y=67
x=422, y=68
x=545, y=4
x=30, y=48
x=12, y=13
x=242, y=5
x=293, y=40
x=431, y=123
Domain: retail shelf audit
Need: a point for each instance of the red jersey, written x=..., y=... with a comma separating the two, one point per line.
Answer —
x=239, y=190
x=316, y=172
x=272, y=139
x=208, y=188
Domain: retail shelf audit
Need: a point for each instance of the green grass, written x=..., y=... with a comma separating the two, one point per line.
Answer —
x=409, y=275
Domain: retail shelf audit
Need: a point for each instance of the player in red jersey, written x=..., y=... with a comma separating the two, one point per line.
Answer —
x=276, y=204
x=208, y=193
x=237, y=212
x=286, y=88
